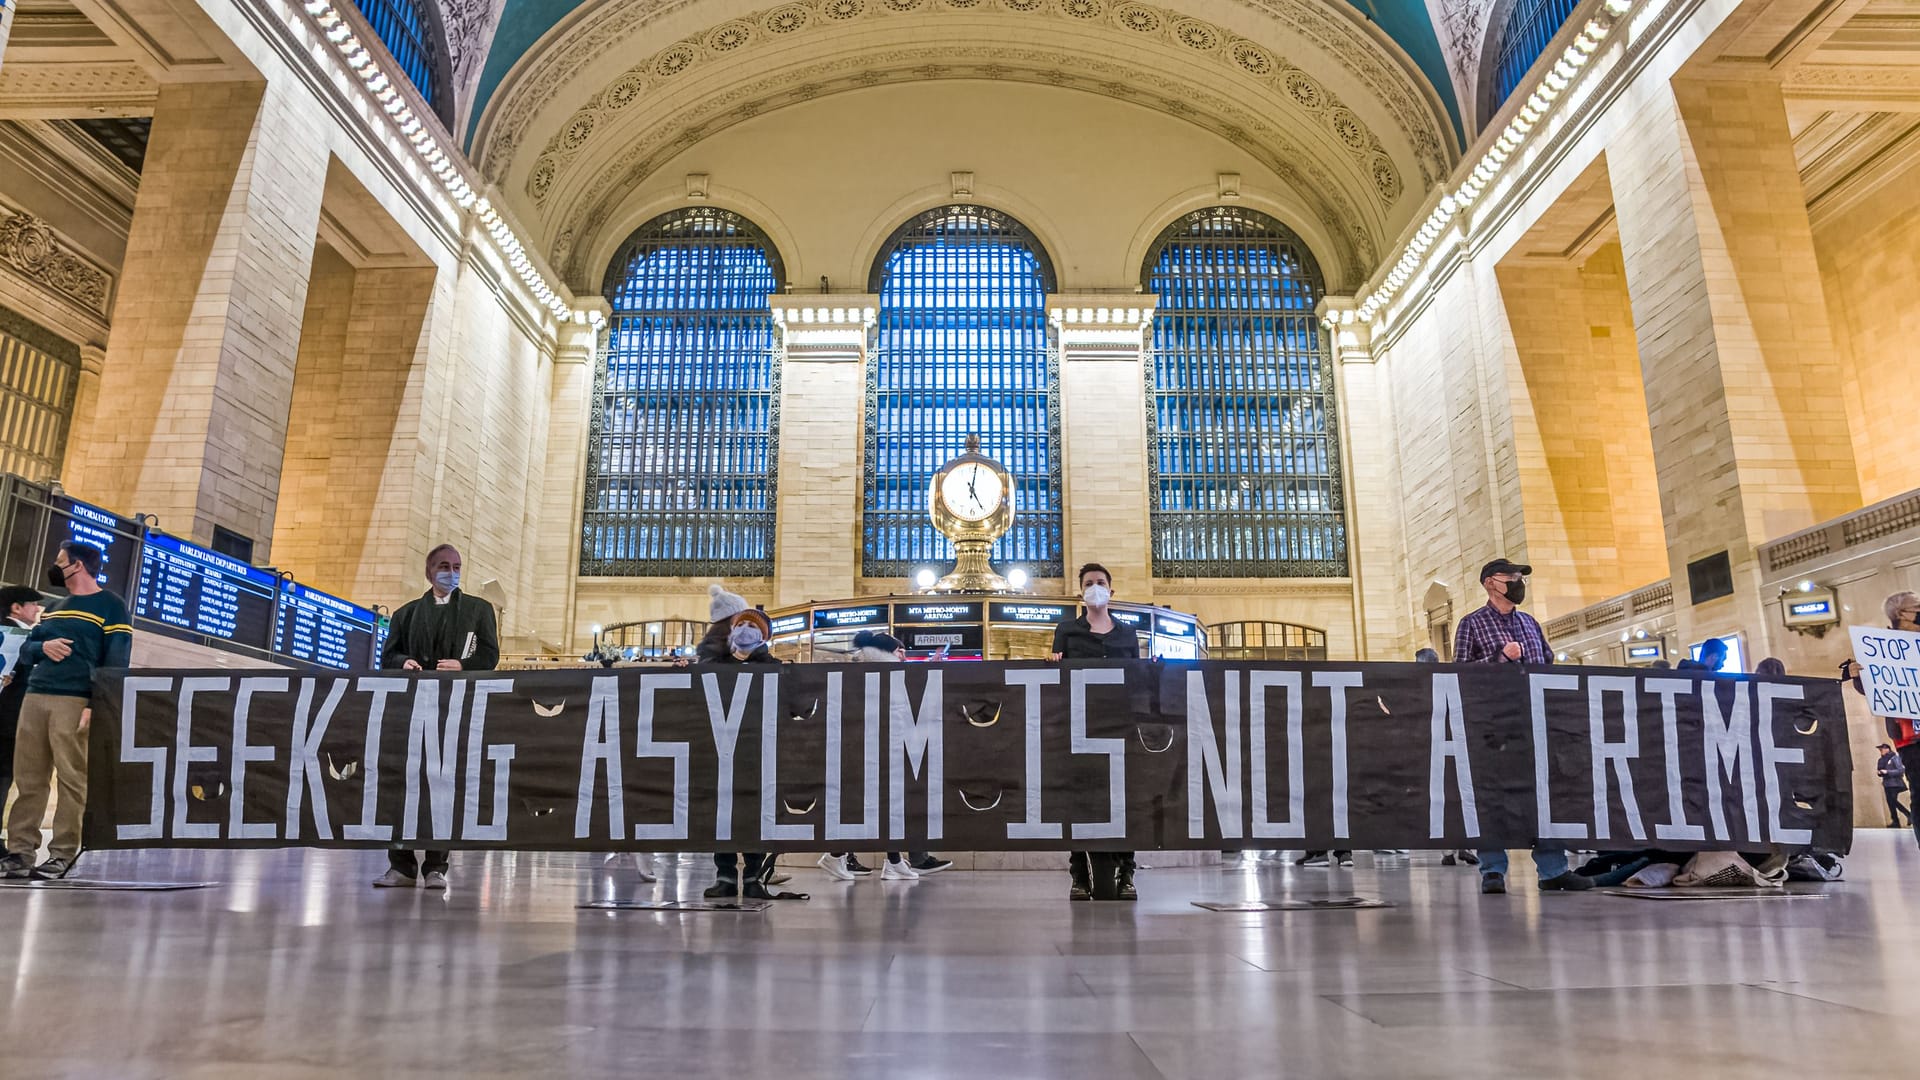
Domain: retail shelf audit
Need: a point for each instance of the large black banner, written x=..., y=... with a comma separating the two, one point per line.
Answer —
x=970, y=756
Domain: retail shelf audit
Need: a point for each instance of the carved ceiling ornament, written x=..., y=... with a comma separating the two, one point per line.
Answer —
x=734, y=42
x=540, y=78
x=1357, y=246
x=29, y=247
x=1462, y=28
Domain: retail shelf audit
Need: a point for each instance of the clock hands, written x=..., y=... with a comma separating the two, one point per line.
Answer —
x=972, y=479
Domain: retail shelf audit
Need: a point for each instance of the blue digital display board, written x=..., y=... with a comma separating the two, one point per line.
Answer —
x=319, y=628
x=188, y=588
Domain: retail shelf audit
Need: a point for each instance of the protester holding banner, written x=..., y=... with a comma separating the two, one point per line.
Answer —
x=1500, y=633
x=1903, y=613
x=1096, y=635
x=880, y=647
x=21, y=605
x=88, y=631
x=738, y=635
x=444, y=629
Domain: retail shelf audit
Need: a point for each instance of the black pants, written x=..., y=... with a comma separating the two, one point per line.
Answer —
x=1910, y=757
x=403, y=861
x=1081, y=866
x=729, y=869
x=1894, y=810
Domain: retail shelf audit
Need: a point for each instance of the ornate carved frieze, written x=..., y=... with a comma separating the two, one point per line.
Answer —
x=523, y=98
x=30, y=248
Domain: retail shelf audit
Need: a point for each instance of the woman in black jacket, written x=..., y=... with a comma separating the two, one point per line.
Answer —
x=1097, y=635
x=739, y=638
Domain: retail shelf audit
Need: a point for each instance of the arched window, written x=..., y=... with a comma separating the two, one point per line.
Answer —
x=961, y=349
x=685, y=430
x=1529, y=26
x=412, y=32
x=1244, y=458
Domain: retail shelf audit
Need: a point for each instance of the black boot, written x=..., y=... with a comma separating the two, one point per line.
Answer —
x=1123, y=879
x=723, y=888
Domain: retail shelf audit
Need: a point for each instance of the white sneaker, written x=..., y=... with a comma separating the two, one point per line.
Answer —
x=836, y=867
x=899, y=871
x=393, y=879
x=434, y=879
x=632, y=860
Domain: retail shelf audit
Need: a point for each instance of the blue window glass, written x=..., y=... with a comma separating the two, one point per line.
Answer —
x=1244, y=455
x=961, y=349
x=685, y=428
x=1530, y=25
x=406, y=29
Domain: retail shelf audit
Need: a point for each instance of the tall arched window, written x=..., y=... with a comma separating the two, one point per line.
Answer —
x=685, y=430
x=412, y=32
x=1245, y=463
x=961, y=349
x=1529, y=26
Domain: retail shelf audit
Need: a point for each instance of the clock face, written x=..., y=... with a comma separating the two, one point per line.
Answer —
x=972, y=492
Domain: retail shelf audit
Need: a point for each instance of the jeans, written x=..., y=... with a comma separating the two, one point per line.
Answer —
x=402, y=860
x=1548, y=864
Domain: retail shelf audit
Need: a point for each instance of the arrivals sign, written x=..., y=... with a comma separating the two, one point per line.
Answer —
x=981, y=756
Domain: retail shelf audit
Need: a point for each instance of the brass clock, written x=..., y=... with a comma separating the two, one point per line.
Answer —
x=971, y=501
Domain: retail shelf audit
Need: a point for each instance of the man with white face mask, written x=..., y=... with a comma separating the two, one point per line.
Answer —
x=442, y=630
x=1097, y=635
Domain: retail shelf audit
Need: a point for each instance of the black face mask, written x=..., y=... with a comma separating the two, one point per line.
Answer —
x=1516, y=591
x=57, y=577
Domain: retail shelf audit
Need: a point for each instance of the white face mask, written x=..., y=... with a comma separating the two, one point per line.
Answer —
x=1098, y=595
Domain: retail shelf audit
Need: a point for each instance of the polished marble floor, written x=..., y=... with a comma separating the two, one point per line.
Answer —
x=293, y=967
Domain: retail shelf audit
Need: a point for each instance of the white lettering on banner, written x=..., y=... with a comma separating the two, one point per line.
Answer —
x=1204, y=767
x=185, y=754
x=132, y=753
x=237, y=826
x=1889, y=670
x=1726, y=740
x=1538, y=684
x=770, y=826
x=433, y=744
x=1676, y=827
x=303, y=758
x=1619, y=753
x=1033, y=828
x=500, y=754
x=1339, y=682
x=915, y=745
x=678, y=752
x=367, y=829
x=1295, y=825
x=868, y=827
x=1447, y=738
x=1774, y=757
x=1115, y=751
x=600, y=748
x=725, y=718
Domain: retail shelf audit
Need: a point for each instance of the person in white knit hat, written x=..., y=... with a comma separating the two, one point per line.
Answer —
x=738, y=635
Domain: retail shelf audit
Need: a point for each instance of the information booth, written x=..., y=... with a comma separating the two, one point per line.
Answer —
x=967, y=627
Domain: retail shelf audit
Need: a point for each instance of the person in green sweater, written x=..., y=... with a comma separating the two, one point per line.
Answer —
x=444, y=629
x=87, y=631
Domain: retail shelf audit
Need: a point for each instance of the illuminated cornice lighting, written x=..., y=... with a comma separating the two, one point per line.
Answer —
x=1532, y=113
x=440, y=163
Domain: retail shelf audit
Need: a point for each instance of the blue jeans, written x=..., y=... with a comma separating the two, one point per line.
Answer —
x=1547, y=864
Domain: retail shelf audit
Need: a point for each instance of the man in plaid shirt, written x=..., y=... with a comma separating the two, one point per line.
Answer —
x=1500, y=633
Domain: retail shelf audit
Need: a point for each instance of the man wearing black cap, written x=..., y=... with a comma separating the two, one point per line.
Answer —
x=20, y=604
x=1500, y=633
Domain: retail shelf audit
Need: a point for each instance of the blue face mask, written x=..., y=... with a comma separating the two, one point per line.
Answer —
x=745, y=638
x=447, y=579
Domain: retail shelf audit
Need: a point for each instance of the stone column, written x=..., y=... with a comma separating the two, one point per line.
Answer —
x=1743, y=385
x=190, y=417
x=1103, y=437
x=822, y=402
x=562, y=499
x=1383, y=608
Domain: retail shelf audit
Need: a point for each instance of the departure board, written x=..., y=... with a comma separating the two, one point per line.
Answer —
x=190, y=589
x=320, y=628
